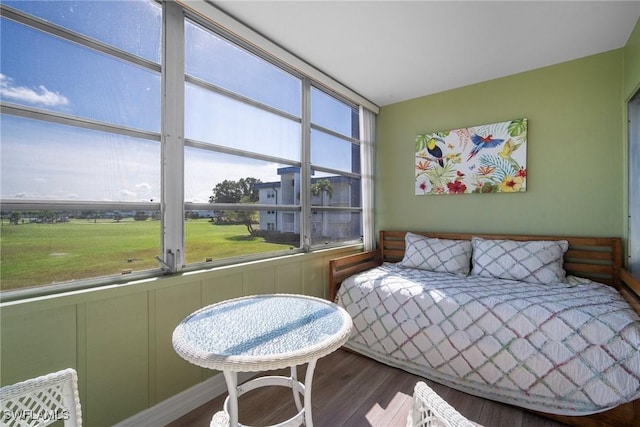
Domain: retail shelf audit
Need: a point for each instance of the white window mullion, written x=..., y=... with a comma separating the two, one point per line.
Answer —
x=305, y=171
x=173, y=137
x=367, y=170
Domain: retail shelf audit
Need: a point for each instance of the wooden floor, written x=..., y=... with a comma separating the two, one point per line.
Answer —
x=352, y=390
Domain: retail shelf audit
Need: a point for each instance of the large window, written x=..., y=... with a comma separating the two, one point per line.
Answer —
x=80, y=130
x=125, y=158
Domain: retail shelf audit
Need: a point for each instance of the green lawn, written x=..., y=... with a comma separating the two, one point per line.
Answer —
x=37, y=254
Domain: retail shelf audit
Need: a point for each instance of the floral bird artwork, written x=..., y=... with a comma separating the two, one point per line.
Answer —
x=487, y=158
x=434, y=150
x=481, y=142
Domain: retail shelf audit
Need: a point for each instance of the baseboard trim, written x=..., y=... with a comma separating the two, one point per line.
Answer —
x=182, y=403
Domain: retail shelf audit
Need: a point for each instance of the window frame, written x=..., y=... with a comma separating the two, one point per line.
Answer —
x=633, y=168
x=172, y=206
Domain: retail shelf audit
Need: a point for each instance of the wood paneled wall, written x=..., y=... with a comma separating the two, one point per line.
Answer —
x=118, y=337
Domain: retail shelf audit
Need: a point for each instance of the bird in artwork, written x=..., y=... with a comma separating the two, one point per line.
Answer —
x=481, y=142
x=434, y=150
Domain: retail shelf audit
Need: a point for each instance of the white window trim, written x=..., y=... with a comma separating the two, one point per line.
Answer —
x=172, y=155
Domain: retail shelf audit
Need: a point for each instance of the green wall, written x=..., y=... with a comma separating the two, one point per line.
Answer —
x=632, y=63
x=574, y=156
x=119, y=338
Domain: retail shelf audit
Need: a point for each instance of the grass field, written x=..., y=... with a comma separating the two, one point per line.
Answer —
x=38, y=254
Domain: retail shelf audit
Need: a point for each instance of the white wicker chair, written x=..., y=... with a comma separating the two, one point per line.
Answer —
x=430, y=410
x=42, y=401
x=220, y=419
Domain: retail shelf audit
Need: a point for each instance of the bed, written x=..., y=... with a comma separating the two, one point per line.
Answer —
x=546, y=323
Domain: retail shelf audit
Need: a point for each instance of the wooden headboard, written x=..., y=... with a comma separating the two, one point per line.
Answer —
x=596, y=258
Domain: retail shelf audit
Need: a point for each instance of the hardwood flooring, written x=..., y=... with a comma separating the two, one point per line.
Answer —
x=353, y=391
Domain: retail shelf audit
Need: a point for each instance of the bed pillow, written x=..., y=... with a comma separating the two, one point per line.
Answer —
x=535, y=261
x=441, y=255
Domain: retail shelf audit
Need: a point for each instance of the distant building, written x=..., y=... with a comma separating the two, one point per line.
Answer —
x=345, y=192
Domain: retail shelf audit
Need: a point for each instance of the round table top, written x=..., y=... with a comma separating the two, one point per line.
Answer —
x=262, y=332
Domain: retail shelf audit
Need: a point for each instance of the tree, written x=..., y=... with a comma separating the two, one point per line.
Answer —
x=246, y=217
x=229, y=191
x=322, y=187
x=140, y=216
x=192, y=215
x=241, y=191
x=14, y=217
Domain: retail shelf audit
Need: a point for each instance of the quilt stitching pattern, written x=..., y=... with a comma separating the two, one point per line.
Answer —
x=552, y=348
x=534, y=261
x=446, y=256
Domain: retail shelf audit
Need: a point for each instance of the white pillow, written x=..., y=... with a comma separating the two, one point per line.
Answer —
x=535, y=261
x=441, y=255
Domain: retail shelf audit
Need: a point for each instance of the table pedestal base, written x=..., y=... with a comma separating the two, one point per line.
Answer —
x=304, y=411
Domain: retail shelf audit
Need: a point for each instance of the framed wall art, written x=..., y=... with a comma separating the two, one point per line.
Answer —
x=489, y=158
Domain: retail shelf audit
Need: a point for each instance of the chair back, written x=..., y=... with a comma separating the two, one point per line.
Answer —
x=430, y=410
x=42, y=401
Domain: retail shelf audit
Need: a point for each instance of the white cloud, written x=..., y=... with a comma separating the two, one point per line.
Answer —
x=143, y=186
x=128, y=195
x=38, y=96
x=141, y=193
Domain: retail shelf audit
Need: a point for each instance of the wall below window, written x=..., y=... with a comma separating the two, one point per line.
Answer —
x=119, y=337
x=575, y=153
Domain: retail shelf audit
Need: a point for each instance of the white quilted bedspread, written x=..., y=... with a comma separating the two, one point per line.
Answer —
x=569, y=350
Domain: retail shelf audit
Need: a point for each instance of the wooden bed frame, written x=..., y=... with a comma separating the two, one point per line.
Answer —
x=596, y=258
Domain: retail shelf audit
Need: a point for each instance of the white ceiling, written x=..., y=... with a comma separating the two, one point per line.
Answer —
x=391, y=51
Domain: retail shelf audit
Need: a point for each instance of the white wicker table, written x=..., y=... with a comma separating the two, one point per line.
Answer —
x=260, y=333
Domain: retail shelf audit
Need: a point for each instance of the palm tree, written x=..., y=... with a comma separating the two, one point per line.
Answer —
x=321, y=187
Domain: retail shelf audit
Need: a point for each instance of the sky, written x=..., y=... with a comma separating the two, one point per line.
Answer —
x=42, y=160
